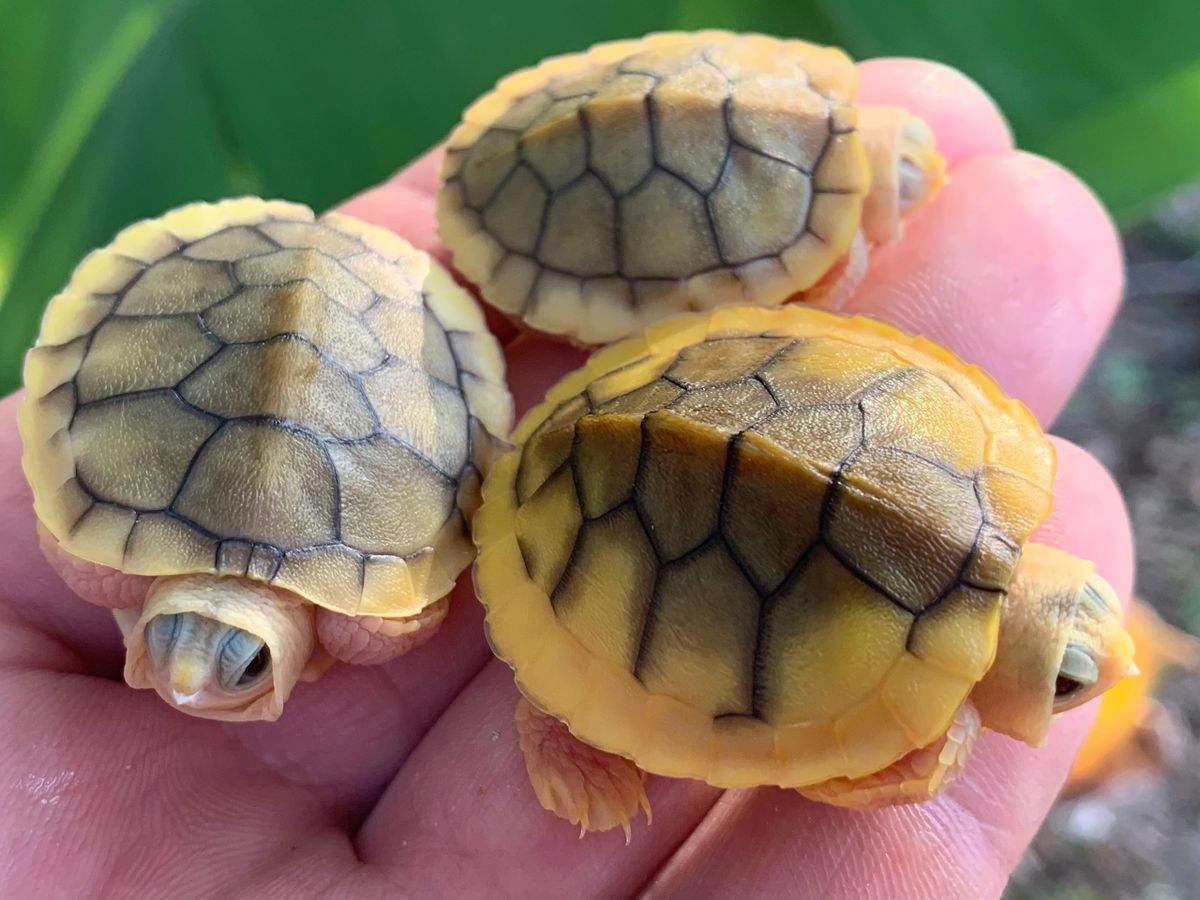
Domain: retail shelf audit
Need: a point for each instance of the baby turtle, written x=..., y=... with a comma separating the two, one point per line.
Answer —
x=781, y=547
x=258, y=437
x=602, y=191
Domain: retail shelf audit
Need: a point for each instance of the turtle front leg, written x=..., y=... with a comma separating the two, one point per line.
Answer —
x=840, y=282
x=916, y=777
x=95, y=583
x=368, y=640
x=588, y=787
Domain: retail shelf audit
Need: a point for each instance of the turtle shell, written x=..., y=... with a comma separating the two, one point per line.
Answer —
x=240, y=389
x=760, y=546
x=602, y=191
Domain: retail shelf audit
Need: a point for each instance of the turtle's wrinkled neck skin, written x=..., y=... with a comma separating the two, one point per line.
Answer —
x=220, y=647
x=1061, y=644
x=906, y=169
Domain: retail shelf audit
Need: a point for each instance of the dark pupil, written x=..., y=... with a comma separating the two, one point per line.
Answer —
x=1064, y=686
x=256, y=665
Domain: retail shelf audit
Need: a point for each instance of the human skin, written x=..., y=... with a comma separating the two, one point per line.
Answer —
x=406, y=779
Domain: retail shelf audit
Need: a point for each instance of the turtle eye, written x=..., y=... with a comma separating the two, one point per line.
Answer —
x=243, y=660
x=1065, y=687
x=256, y=667
x=912, y=183
x=1077, y=672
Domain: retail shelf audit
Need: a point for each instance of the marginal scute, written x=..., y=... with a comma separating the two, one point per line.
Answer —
x=778, y=600
x=239, y=389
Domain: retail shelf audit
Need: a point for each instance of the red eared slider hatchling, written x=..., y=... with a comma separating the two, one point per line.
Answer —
x=781, y=547
x=602, y=191
x=258, y=437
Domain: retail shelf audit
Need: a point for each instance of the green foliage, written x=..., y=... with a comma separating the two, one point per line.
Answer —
x=112, y=110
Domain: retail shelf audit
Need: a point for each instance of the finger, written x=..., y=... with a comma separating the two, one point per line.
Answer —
x=405, y=204
x=462, y=806
x=965, y=119
x=31, y=590
x=1015, y=266
x=965, y=843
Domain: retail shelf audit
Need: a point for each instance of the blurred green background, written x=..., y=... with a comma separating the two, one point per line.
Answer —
x=112, y=110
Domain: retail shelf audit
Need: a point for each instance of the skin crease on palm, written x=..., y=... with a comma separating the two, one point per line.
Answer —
x=406, y=778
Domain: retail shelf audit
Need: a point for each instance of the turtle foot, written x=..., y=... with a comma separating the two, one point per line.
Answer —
x=369, y=640
x=916, y=777
x=588, y=787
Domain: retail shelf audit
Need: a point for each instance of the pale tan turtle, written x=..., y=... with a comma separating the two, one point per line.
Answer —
x=259, y=438
x=598, y=192
x=781, y=547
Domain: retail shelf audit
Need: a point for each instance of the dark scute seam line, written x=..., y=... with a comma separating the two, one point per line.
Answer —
x=959, y=576
x=648, y=614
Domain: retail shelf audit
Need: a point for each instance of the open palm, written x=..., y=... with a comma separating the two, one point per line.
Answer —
x=406, y=778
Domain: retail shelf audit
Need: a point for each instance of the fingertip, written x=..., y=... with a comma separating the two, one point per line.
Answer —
x=1015, y=266
x=961, y=114
x=536, y=362
x=401, y=208
x=1089, y=518
x=423, y=174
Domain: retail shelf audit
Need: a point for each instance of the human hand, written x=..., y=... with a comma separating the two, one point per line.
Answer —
x=406, y=778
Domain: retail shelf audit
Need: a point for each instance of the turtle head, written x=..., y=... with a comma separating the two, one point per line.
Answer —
x=1099, y=651
x=1061, y=644
x=906, y=169
x=205, y=662
x=220, y=647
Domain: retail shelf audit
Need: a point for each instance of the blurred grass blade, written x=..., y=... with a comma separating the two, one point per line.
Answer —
x=49, y=163
x=1139, y=147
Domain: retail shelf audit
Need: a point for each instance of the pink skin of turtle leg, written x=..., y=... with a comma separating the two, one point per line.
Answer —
x=96, y=584
x=913, y=778
x=840, y=282
x=588, y=787
x=368, y=640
